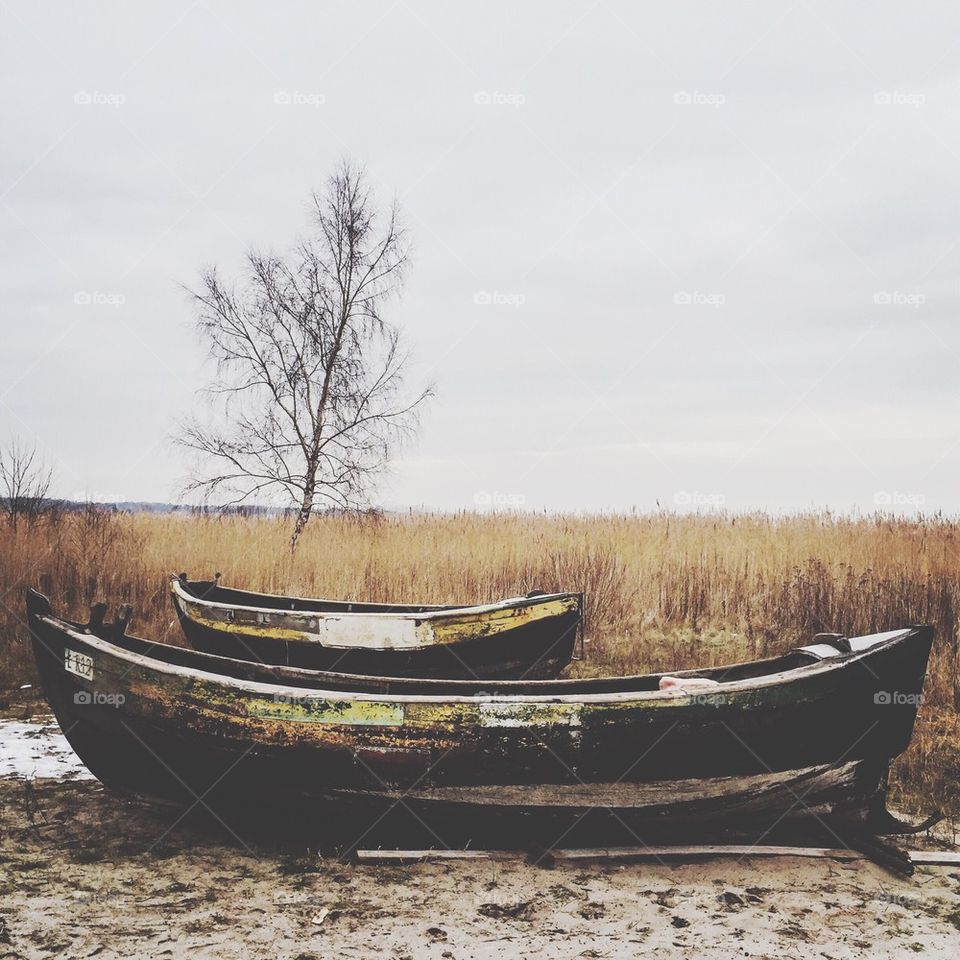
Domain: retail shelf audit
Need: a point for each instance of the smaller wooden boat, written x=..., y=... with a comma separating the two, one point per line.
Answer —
x=807, y=734
x=531, y=637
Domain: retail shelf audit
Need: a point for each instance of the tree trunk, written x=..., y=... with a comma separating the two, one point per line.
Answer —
x=303, y=516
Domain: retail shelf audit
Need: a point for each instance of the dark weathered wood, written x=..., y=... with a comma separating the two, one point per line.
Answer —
x=884, y=854
x=777, y=740
x=530, y=637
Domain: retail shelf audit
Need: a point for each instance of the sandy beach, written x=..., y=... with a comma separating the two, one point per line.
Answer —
x=86, y=874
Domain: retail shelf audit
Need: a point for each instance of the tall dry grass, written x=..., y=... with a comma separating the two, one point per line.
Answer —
x=663, y=591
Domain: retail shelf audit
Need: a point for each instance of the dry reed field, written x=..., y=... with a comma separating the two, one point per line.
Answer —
x=663, y=591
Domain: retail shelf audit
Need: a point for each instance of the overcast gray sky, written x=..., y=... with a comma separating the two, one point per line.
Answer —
x=698, y=253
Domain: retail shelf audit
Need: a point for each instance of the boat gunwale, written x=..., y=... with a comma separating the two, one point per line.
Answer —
x=434, y=612
x=301, y=694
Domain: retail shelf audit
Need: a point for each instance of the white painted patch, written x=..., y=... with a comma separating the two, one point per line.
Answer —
x=29, y=750
x=529, y=715
x=78, y=663
x=372, y=632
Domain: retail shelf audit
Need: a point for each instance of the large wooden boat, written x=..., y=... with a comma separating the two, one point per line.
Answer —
x=530, y=637
x=808, y=733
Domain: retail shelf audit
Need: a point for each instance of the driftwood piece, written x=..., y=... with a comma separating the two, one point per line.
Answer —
x=643, y=854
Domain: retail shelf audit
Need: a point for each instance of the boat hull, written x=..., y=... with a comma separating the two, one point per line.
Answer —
x=815, y=743
x=534, y=639
x=536, y=651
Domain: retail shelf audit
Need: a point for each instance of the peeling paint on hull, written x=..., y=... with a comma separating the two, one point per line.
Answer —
x=523, y=637
x=178, y=730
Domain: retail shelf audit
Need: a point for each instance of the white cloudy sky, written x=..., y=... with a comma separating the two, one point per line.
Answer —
x=721, y=238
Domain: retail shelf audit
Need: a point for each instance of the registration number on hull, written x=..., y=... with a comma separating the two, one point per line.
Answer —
x=78, y=664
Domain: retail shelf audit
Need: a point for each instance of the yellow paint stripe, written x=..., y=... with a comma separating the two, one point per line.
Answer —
x=430, y=632
x=469, y=626
x=252, y=629
x=356, y=713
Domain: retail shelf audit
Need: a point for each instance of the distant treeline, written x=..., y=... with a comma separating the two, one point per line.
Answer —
x=192, y=509
x=49, y=505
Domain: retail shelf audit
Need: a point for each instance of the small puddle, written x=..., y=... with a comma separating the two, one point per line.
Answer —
x=38, y=750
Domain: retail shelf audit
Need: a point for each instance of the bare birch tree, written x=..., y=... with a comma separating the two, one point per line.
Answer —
x=24, y=483
x=311, y=374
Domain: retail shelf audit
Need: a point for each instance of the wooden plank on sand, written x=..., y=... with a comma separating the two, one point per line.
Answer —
x=640, y=854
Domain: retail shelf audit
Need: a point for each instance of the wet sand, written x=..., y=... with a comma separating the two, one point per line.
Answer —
x=84, y=873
